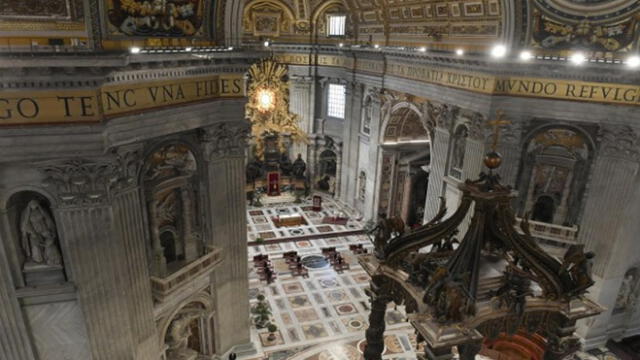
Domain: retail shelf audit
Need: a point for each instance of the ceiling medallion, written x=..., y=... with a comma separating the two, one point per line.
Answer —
x=594, y=10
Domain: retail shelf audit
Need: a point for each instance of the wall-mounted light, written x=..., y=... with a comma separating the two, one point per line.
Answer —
x=266, y=43
x=577, y=58
x=134, y=50
x=376, y=46
x=499, y=51
x=340, y=44
x=422, y=49
x=525, y=55
x=188, y=49
x=459, y=52
x=230, y=48
x=633, y=61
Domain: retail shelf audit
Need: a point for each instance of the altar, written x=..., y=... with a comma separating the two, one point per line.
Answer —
x=289, y=220
x=275, y=175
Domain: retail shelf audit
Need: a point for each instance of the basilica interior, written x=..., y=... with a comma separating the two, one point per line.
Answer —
x=319, y=179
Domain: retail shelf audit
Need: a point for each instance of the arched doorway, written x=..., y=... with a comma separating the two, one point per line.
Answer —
x=405, y=163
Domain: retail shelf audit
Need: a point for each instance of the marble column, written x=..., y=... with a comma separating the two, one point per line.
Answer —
x=608, y=226
x=14, y=336
x=190, y=242
x=225, y=146
x=91, y=232
x=301, y=103
x=374, y=157
x=159, y=261
x=337, y=187
x=132, y=228
x=351, y=144
x=443, y=116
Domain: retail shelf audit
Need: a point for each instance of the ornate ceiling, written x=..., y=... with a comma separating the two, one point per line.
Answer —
x=549, y=26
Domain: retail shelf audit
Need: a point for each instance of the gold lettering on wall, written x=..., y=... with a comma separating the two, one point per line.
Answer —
x=85, y=106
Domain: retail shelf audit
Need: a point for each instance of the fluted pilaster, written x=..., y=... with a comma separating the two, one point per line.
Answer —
x=439, y=149
x=350, y=147
x=14, y=337
x=606, y=227
x=95, y=252
x=225, y=150
x=300, y=103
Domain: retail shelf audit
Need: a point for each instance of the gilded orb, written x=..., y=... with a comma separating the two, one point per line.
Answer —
x=493, y=160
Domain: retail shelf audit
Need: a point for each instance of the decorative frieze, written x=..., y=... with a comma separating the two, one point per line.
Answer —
x=620, y=141
x=441, y=115
x=476, y=126
x=226, y=139
x=81, y=182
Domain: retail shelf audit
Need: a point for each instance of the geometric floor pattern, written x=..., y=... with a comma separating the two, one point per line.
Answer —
x=324, y=316
x=260, y=220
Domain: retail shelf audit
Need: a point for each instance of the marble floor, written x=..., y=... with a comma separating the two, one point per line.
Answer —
x=260, y=222
x=325, y=315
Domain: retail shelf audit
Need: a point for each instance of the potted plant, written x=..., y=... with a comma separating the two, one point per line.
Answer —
x=259, y=240
x=272, y=328
x=261, y=312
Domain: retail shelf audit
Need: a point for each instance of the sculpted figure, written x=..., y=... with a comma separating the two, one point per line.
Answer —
x=38, y=233
x=578, y=265
x=382, y=234
x=299, y=167
x=178, y=338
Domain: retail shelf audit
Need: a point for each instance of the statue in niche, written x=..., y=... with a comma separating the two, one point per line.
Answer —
x=362, y=190
x=459, y=145
x=367, y=115
x=299, y=167
x=39, y=236
x=178, y=337
x=254, y=170
x=285, y=165
x=626, y=295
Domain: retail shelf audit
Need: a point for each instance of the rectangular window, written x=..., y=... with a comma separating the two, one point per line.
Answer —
x=336, y=101
x=337, y=24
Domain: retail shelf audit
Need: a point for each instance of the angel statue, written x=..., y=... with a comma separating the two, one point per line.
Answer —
x=39, y=235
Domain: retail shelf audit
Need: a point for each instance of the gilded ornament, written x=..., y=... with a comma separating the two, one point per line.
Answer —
x=268, y=105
